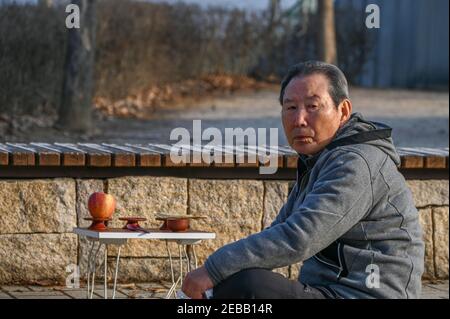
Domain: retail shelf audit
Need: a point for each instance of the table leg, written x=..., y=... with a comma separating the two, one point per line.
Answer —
x=195, y=257
x=173, y=289
x=89, y=262
x=94, y=270
x=181, y=263
x=171, y=271
x=180, y=277
x=171, y=262
x=115, y=274
x=188, y=260
x=182, y=251
x=106, y=272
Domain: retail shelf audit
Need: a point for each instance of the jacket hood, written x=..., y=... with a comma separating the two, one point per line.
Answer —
x=358, y=130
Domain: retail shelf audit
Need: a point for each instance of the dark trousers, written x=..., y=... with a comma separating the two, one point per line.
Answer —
x=263, y=284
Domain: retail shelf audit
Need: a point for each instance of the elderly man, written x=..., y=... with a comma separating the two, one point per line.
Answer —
x=350, y=218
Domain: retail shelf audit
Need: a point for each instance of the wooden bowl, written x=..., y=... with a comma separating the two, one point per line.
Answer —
x=178, y=224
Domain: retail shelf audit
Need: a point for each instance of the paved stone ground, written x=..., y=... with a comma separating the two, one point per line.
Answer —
x=430, y=290
x=124, y=291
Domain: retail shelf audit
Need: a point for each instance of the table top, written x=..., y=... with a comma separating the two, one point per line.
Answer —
x=118, y=233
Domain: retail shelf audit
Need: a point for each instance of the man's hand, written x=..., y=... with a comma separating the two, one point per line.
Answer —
x=196, y=283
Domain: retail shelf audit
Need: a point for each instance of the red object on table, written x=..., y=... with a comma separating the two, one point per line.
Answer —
x=98, y=224
x=133, y=222
x=178, y=224
x=101, y=205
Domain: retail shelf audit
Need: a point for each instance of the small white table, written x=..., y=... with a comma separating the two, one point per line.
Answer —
x=120, y=237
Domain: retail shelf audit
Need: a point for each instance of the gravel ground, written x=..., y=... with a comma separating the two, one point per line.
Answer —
x=419, y=118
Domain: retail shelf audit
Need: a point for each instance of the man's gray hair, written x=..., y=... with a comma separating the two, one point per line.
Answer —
x=338, y=83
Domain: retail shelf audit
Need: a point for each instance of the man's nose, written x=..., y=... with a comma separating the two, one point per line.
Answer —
x=301, y=118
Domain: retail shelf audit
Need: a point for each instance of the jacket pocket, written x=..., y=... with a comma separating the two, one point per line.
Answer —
x=333, y=256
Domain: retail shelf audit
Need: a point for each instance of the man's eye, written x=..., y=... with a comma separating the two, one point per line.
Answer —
x=312, y=106
x=291, y=107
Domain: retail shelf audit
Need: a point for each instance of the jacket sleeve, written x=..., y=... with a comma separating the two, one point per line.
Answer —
x=283, y=213
x=340, y=196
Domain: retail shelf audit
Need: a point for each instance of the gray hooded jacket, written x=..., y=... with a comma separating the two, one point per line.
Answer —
x=350, y=219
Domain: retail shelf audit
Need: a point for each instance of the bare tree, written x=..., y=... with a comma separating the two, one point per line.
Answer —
x=75, y=111
x=46, y=3
x=327, y=32
x=274, y=15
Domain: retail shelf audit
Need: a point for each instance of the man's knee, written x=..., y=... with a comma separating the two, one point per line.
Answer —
x=243, y=284
x=252, y=276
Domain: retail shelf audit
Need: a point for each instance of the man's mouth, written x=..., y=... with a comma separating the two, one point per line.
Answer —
x=303, y=139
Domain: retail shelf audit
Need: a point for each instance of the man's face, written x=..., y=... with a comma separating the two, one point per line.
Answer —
x=310, y=118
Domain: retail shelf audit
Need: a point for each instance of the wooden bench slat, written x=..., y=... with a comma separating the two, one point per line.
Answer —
x=137, y=157
x=412, y=161
x=71, y=155
x=290, y=161
x=242, y=157
x=116, y=159
x=406, y=152
x=146, y=148
x=225, y=155
x=20, y=156
x=120, y=157
x=48, y=154
x=167, y=161
x=71, y=147
x=152, y=148
x=45, y=156
x=22, y=146
x=290, y=157
x=95, y=158
x=409, y=152
x=120, y=147
x=423, y=150
x=4, y=155
x=147, y=157
x=197, y=150
x=48, y=147
x=432, y=158
x=435, y=162
x=262, y=152
x=161, y=147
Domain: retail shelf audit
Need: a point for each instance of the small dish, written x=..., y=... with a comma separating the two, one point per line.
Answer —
x=98, y=224
x=132, y=222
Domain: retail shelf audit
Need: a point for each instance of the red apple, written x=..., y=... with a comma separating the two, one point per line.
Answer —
x=101, y=205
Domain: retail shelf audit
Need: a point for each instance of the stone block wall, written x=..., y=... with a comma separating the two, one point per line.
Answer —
x=36, y=222
x=37, y=218
x=431, y=199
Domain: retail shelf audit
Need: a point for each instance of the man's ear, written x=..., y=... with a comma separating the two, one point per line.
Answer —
x=346, y=111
